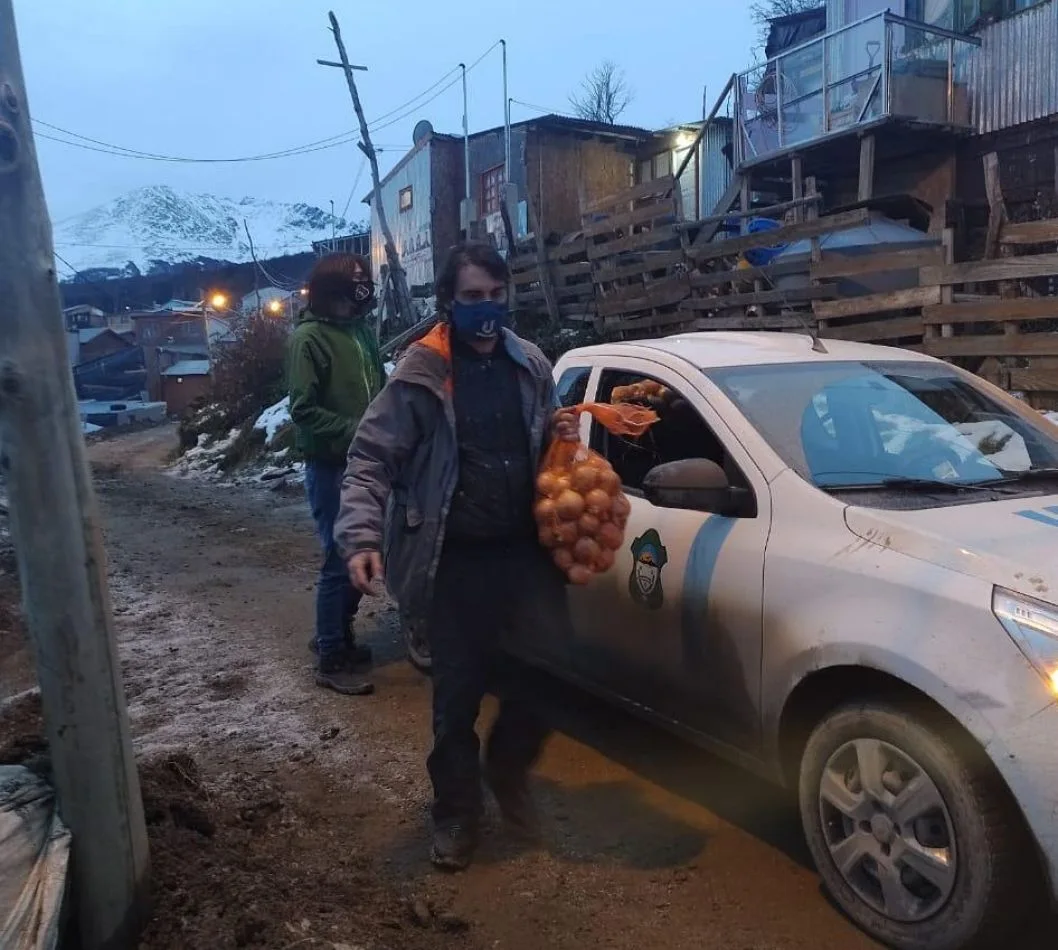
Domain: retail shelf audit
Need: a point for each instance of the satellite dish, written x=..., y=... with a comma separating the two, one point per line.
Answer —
x=423, y=129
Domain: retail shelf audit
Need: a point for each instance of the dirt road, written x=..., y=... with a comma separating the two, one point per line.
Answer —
x=284, y=816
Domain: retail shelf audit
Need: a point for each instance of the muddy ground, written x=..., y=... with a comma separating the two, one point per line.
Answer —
x=282, y=816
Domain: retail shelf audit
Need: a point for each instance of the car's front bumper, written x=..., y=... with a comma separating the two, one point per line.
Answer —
x=1026, y=756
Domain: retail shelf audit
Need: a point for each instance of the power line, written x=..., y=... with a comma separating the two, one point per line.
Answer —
x=543, y=109
x=342, y=138
x=356, y=181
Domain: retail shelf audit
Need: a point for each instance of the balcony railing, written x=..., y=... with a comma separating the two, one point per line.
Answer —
x=884, y=66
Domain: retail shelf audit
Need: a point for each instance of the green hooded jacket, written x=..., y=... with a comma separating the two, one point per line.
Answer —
x=334, y=371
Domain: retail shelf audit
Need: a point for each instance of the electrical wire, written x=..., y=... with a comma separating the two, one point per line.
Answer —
x=356, y=182
x=394, y=116
x=536, y=108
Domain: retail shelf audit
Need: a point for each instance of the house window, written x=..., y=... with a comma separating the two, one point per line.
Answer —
x=404, y=199
x=492, y=190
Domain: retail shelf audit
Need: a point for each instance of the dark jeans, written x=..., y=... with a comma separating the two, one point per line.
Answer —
x=336, y=598
x=480, y=592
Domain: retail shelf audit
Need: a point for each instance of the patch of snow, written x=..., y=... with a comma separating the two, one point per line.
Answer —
x=389, y=368
x=1051, y=417
x=190, y=679
x=88, y=427
x=204, y=459
x=273, y=419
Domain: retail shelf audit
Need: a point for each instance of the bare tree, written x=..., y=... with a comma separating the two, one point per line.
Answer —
x=604, y=94
x=764, y=10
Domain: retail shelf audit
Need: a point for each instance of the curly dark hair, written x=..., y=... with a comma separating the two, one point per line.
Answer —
x=477, y=253
x=331, y=277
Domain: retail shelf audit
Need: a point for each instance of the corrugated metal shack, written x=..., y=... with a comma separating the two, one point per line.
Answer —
x=1014, y=72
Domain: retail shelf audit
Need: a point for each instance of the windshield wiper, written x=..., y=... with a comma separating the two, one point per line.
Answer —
x=917, y=484
x=1029, y=475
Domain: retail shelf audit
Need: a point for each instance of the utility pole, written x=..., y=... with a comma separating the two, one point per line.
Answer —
x=62, y=565
x=400, y=280
x=256, y=268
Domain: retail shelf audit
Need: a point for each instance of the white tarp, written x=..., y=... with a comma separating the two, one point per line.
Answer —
x=34, y=851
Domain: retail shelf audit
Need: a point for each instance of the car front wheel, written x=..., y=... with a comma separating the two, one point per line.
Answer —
x=919, y=846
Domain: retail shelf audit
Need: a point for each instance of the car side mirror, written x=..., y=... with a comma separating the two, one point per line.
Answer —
x=695, y=485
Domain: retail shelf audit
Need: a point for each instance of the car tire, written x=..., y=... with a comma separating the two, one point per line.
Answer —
x=959, y=828
x=417, y=645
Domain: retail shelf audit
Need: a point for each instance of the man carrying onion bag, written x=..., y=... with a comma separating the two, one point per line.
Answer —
x=442, y=469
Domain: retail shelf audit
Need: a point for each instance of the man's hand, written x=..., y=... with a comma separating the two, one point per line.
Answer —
x=365, y=567
x=565, y=426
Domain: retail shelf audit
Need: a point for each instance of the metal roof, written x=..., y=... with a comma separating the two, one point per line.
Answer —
x=188, y=368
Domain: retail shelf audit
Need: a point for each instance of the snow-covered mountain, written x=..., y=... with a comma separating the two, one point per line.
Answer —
x=156, y=226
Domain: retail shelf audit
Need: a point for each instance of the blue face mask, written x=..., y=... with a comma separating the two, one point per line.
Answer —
x=479, y=321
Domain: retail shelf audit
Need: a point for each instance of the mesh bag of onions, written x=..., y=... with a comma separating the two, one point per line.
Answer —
x=580, y=509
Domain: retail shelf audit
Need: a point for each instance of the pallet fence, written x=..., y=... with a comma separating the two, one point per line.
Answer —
x=636, y=268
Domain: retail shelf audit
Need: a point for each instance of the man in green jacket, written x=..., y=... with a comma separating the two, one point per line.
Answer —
x=334, y=373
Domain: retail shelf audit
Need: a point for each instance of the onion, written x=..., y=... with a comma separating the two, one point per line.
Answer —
x=579, y=575
x=586, y=550
x=569, y=505
x=566, y=533
x=609, y=481
x=598, y=502
x=622, y=507
x=547, y=538
x=563, y=558
x=588, y=525
x=584, y=477
x=546, y=484
x=610, y=536
x=604, y=561
x=545, y=511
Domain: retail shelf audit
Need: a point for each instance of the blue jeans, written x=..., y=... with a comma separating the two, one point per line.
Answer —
x=336, y=598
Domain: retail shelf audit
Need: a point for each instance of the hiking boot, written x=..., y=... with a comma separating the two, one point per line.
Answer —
x=337, y=674
x=453, y=847
x=516, y=804
x=358, y=654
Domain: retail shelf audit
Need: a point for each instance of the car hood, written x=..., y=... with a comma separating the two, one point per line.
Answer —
x=1010, y=543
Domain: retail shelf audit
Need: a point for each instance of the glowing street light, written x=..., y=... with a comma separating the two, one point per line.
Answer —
x=274, y=306
x=219, y=301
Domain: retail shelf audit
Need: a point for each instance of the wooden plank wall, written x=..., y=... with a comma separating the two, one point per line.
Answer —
x=636, y=268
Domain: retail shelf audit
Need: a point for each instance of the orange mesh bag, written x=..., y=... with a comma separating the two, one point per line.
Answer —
x=580, y=509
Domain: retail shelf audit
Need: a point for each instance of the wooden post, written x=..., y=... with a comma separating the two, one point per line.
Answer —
x=797, y=186
x=947, y=291
x=996, y=210
x=546, y=283
x=396, y=271
x=812, y=191
x=256, y=275
x=62, y=566
x=747, y=197
x=866, y=185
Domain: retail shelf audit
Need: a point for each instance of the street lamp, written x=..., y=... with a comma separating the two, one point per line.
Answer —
x=274, y=306
x=219, y=301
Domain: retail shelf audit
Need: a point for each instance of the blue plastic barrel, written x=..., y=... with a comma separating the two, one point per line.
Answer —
x=762, y=256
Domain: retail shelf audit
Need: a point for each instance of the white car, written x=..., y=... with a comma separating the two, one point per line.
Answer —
x=841, y=571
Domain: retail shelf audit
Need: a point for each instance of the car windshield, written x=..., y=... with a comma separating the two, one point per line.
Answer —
x=848, y=425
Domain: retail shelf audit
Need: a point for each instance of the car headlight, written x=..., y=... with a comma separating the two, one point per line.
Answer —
x=1034, y=627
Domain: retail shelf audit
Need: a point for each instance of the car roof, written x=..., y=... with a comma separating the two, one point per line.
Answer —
x=715, y=349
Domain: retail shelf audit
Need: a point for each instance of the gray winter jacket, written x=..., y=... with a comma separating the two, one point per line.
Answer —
x=403, y=463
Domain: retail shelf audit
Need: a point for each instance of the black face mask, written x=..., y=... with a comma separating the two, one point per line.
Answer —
x=362, y=296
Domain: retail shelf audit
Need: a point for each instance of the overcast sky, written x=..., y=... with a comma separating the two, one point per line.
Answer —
x=233, y=78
